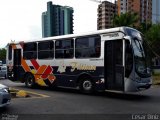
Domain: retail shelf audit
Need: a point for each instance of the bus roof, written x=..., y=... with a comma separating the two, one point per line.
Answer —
x=110, y=30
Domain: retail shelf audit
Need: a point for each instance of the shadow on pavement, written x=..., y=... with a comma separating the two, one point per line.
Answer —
x=125, y=96
x=137, y=96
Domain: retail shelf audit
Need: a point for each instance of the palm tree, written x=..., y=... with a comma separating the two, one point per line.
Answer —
x=126, y=19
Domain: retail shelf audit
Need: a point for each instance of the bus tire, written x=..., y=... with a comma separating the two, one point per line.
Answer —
x=30, y=80
x=86, y=85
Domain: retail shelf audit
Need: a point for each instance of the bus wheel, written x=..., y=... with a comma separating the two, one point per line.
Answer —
x=30, y=81
x=86, y=86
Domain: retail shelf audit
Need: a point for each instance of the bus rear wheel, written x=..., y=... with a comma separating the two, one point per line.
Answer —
x=86, y=86
x=30, y=81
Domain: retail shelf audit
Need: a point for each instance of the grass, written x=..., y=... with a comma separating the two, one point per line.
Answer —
x=156, y=79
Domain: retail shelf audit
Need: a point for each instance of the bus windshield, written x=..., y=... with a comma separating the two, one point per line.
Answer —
x=139, y=53
x=140, y=58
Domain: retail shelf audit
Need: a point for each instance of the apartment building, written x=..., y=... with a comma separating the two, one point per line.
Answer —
x=142, y=7
x=106, y=11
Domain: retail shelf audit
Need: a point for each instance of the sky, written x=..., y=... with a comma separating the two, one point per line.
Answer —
x=20, y=20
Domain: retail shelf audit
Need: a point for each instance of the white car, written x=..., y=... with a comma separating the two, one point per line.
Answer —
x=5, y=96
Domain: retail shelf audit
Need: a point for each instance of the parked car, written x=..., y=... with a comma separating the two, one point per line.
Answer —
x=3, y=71
x=5, y=96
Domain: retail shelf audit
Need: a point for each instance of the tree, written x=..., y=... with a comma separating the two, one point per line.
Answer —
x=153, y=39
x=144, y=27
x=2, y=54
x=127, y=19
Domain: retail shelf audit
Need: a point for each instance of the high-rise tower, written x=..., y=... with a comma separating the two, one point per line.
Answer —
x=57, y=20
x=106, y=11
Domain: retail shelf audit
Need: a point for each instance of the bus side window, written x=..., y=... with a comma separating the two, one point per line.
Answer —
x=30, y=51
x=64, y=48
x=88, y=47
x=128, y=59
x=46, y=50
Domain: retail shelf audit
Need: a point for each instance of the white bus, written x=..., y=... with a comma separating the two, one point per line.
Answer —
x=111, y=59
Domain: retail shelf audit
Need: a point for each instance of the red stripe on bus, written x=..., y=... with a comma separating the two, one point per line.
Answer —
x=47, y=72
x=24, y=65
x=35, y=64
x=40, y=71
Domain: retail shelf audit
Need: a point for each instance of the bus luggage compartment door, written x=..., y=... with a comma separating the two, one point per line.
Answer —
x=17, y=64
x=113, y=63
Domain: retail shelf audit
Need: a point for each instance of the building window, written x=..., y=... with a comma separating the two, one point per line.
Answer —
x=64, y=48
x=46, y=50
x=30, y=51
x=88, y=47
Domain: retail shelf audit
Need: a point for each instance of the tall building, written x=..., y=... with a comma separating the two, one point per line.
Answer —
x=155, y=11
x=106, y=11
x=57, y=20
x=142, y=7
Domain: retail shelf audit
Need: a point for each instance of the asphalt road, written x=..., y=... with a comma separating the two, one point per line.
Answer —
x=68, y=101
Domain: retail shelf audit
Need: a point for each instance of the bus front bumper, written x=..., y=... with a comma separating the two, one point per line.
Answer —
x=135, y=86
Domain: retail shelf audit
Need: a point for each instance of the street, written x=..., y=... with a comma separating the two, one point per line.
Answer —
x=69, y=101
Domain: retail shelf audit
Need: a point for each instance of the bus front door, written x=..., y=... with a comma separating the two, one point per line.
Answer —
x=17, y=64
x=113, y=64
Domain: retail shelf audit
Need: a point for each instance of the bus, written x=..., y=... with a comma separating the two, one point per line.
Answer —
x=110, y=59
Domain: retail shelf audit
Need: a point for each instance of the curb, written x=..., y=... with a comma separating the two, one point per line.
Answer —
x=16, y=93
